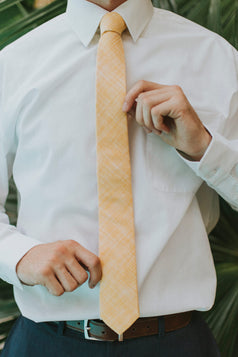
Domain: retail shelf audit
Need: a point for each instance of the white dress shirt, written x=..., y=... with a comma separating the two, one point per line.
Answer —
x=47, y=140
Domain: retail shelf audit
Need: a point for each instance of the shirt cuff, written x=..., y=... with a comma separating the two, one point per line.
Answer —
x=13, y=248
x=217, y=162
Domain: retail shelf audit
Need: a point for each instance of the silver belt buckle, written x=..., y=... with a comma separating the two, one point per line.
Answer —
x=86, y=331
x=87, y=337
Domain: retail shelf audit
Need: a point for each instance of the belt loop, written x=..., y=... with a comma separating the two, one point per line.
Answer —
x=61, y=327
x=161, y=327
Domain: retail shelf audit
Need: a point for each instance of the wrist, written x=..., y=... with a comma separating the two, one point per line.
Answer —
x=198, y=153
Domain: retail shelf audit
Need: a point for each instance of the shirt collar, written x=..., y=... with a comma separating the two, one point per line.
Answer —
x=85, y=17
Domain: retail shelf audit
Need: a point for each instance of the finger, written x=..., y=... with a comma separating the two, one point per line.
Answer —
x=148, y=131
x=132, y=112
x=66, y=279
x=95, y=270
x=139, y=113
x=158, y=132
x=53, y=285
x=159, y=113
x=147, y=117
x=77, y=271
x=138, y=88
x=149, y=100
x=92, y=263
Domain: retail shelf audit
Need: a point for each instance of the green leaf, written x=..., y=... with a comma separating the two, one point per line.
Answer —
x=214, y=16
x=220, y=16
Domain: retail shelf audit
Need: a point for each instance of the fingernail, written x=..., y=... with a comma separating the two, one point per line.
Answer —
x=125, y=107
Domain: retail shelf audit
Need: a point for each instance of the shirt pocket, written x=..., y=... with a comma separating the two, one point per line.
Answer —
x=166, y=169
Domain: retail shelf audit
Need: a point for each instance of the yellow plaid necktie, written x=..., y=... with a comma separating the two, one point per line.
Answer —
x=118, y=287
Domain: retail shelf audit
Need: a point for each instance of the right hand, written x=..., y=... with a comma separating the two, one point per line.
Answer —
x=59, y=266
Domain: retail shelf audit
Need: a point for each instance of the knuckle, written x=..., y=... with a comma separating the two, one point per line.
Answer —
x=182, y=112
x=83, y=278
x=75, y=285
x=54, y=258
x=146, y=101
x=58, y=292
x=72, y=286
x=70, y=261
x=179, y=93
x=70, y=243
x=177, y=88
x=141, y=96
x=59, y=267
x=141, y=84
x=94, y=261
x=154, y=112
x=64, y=245
x=60, y=249
x=45, y=272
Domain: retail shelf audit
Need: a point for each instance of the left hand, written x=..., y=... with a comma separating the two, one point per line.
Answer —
x=165, y=110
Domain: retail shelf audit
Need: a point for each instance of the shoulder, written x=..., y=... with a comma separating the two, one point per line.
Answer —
x=173, y=22
x=38, y=37
x=176, y=32
x=172, y=25
x=33, y=53
x=34, y=47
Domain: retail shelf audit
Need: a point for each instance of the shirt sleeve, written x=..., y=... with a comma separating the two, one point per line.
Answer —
x=219, y=165
x=13, y=244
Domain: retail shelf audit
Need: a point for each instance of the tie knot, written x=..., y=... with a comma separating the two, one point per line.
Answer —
x=113, y=22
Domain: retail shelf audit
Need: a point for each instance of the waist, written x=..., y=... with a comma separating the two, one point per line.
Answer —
x=146, y=326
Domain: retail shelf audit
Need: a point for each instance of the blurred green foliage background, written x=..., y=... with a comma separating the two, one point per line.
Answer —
x=17, y=17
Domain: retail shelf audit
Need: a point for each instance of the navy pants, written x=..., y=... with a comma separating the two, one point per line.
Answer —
x=30, y=339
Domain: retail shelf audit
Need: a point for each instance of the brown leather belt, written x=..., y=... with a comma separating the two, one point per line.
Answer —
x=146, y=326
